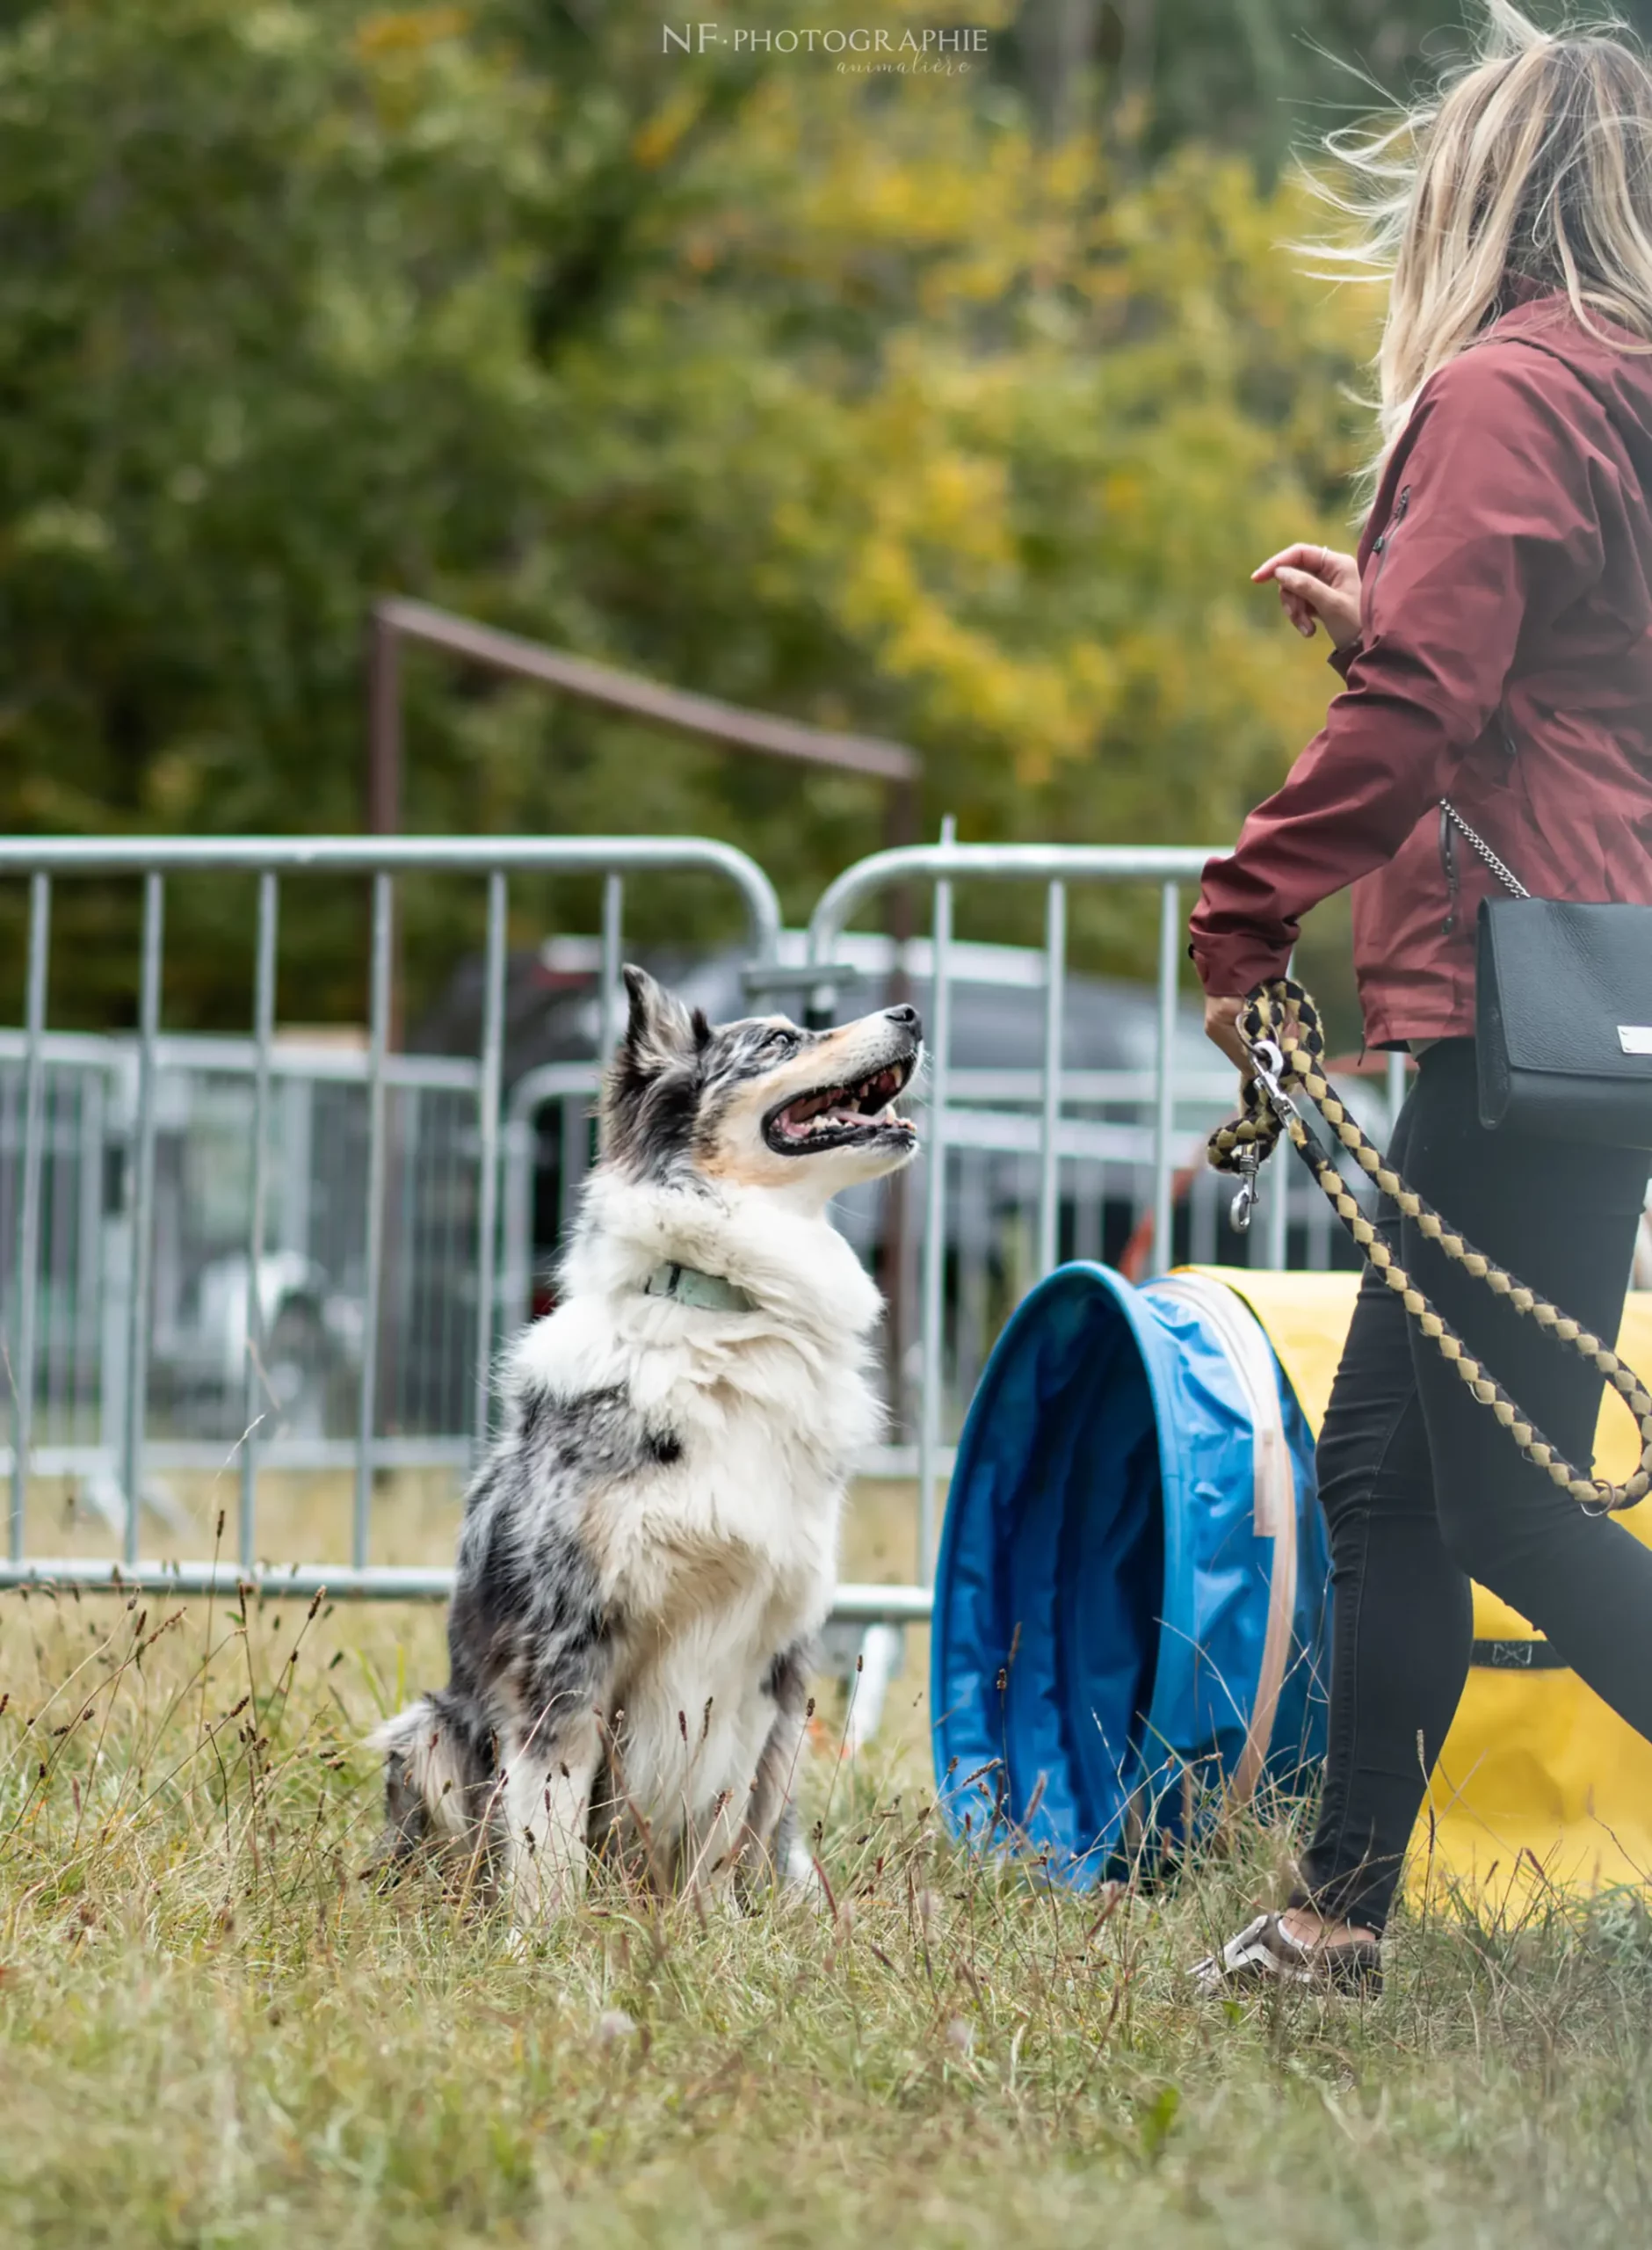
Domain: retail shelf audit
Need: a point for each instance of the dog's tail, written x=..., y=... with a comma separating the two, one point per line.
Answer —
x=438, y=1769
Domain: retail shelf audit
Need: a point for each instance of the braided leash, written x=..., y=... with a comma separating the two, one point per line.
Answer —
x=1281, y=1028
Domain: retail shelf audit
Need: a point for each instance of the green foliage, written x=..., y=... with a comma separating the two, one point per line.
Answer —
x=848, y=396
x=261, y=354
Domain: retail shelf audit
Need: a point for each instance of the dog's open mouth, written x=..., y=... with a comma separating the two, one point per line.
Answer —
x=833, y=1116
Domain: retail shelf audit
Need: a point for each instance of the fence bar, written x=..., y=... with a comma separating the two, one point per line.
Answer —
x=29, y=1247
x=1396, y=1085
x=488, y=1102
x=1055, y=1012
x=999, y=862
x=569, y=1087
x=142, y=1210
x=255, y=1400
x=1276, y=1204
x=1164, y=1079
x=518, y=1148
x=614, y=899
x=851, y=1604
x=92, y=1110
x=1276, y=1194
x=377, y=1031
x=929, y=1436
x=190, y=1051
x=23, y=855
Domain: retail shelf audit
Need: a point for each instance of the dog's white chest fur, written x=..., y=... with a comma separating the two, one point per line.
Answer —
x=714, y=1565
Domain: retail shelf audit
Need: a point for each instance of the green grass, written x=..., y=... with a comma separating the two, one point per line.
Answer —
x=214, y=2033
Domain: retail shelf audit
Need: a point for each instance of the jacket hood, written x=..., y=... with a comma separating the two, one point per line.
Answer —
x=1611, y=362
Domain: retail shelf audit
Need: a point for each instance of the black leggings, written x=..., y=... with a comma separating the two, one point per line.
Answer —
x=1423, y=1491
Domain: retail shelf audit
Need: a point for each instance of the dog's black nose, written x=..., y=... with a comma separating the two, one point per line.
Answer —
x=907, y=1016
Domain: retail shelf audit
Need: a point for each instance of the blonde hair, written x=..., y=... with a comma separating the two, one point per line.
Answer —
x=1533, y=161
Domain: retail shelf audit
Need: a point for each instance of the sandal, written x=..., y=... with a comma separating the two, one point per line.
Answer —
x=1264, y=1952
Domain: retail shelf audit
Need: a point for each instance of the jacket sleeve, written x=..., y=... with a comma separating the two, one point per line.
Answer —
x=1497, y=532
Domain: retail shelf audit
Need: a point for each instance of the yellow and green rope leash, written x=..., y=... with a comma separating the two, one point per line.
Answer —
x=1281, y=1030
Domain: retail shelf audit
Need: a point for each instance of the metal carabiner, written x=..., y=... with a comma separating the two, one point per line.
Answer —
x=1244, y=1204
x=1269, y=1066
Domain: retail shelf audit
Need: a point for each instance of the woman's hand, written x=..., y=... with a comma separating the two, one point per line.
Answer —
x=1222, y=1028
x=1317, y=584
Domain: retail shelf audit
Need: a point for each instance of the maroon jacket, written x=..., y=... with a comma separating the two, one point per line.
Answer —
x=1504, y=661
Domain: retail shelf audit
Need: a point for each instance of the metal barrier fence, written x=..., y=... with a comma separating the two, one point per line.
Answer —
x=992, y=1135
x=379, y=1073
x=1055, y=866
x=944, y=864
x=310, y=1278
x=394, y=1123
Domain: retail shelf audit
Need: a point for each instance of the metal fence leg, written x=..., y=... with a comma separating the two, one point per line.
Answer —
x=1277, y=1207
x=29, y=1245
x=935, y=1219
x=1050, y=1122
x=91, y=1112
x=377, y=1031
x=253, y=1404
x=137, y=1355
x=1164, y=1080
x=488, y=1151
x=1396, y=1086
x=613, y=894
x=574, y=1158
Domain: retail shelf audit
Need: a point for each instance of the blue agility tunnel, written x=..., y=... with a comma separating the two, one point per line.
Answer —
x=1131, y=1600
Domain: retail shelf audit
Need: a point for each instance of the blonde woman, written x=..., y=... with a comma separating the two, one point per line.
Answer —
x=1494, y=634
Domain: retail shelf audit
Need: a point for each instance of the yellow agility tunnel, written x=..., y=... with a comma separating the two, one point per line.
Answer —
x=1539, y=1788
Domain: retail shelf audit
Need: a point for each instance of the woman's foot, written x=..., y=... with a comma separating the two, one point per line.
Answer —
x=1311, y=1929
x=1296, y=1947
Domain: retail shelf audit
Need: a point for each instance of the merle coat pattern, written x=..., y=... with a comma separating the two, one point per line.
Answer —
x=651, y=1545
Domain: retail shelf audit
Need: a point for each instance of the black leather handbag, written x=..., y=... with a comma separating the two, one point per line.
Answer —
x=1563, y=1020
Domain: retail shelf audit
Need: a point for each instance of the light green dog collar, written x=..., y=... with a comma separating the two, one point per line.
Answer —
x=711, y=1292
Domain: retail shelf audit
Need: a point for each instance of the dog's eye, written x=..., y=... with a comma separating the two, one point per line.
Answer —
x=779, y=1042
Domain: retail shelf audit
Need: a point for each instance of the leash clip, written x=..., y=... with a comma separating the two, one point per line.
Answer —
x=1244, y=1204
x=1267, y=1068
x=1269, y=1064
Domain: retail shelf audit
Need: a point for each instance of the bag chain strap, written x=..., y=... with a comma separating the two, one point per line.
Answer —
x=1511, y=882
x=1280, y=1027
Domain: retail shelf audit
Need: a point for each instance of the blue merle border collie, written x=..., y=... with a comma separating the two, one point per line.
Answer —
x=651, y=1545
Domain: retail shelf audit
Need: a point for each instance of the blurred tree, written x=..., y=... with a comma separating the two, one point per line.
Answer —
x=1263, y=76
x=1058, y=43
x=843, y=394
x=1268, y=76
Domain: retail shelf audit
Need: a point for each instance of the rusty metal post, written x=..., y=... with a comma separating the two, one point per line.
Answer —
x=384, y=772
x=395, y=619
x=900, y=1245
x=384, y=818
x=384, y=724
x=678, y=708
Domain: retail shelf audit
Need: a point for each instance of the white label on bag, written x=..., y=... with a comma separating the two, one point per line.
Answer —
x=1635, y=1038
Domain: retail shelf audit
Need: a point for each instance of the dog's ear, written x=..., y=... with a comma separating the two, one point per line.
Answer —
x=652, y=1086
x=660, y=1028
